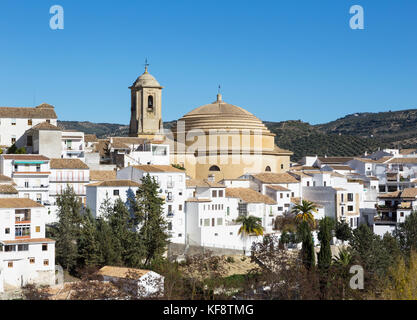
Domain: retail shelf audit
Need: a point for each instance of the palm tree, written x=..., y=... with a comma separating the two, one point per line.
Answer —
x=344, y=258
x=250, y=226
x=304, y=212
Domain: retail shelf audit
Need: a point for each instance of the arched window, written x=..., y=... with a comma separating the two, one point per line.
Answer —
x=214, y=168
x=150, y=103
x=268, y=169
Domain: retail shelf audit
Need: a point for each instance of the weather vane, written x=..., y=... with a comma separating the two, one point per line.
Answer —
x=146, y=64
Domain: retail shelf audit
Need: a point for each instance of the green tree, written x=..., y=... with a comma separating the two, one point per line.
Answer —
x=149, y=216
x=67, y=228
x=324, y=256
x=406, y=233
x=308, y=254
x=343, y=231
x=250, y=226
x=88, y=243
x=304, y=212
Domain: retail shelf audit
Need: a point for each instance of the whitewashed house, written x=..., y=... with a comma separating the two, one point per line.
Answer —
x=30, y=174
x=14, y=121
x=212, y=212
x=26, y=256
x=392, y=209
x=112, y=190
x=172, y=186
x=141, y=283
x=72, y=145
x=68, y=172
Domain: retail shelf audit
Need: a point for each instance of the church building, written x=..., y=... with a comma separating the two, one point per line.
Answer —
x=215, y=141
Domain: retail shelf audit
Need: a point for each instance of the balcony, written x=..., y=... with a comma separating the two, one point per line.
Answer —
x=170, y=184
x=385, y=219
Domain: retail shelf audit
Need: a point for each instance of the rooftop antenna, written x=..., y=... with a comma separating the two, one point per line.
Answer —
x=146, y=65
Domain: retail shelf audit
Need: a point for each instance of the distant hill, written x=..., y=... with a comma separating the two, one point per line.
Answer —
x=348, y=136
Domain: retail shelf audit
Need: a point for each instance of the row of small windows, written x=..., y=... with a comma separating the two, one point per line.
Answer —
x=20, y=247
x=30, y=122
x=206, y=222
x=31, y=261
x=214, y=207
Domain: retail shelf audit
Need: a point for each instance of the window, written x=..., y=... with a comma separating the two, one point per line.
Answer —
x=231, y=233
x=206, y=222
x=13, y=139
x=169, y=226
x=170, y=208
x=350, y=208
x=46, y=262
x=282, y=166
x=7, y=231
x=39, y=198
x=179, y=235
x=180, y=207
x=44, y=247
x=292, y=194
x=214, y=168
x=31, y=260
x=48, y=121
x=169, y=196
x=281, y=195
x=308, y=183
x=201, y=222
x=268, y=169
x=216, y=234
x=29, y=141
x=38, y=229
x=288, y=195
x=214, y=193
x=219, y=221
x=401, y=214
x=9, y=248
x=29, y=122
x=116, y=192
x=22, y=247
x=220, y=193
x=325, y=183
x=13, y=122
x=38, y=168
x=280, y=208
x=212, y=222
x=350, y=196
x=22, y=231
x=150, y=103
x=10, y=264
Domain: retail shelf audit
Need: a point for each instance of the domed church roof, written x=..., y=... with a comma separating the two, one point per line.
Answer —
x=146, y=80
x=221, y=115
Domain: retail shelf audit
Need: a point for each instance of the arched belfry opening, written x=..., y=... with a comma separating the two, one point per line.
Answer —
x=150, y=103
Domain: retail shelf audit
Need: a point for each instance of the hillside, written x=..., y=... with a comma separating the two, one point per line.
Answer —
x=348, y=136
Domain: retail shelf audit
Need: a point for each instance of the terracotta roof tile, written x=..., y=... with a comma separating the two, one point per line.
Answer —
x=157, y=168
x=269, y=177
x=24, y=157
x=8, y=189
x=18, y=203
x=248, y=195
x=120, y=272
x=114, y=183
x=277, y=188
x=30, y=240
x=67, y=164
x=102, y=175
x=43, y=111
x=45, y=126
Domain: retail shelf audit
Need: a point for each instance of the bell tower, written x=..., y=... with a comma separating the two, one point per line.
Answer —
x=146, y=111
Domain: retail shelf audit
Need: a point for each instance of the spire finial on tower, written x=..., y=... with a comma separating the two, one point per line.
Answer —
x=219, y=95
x=146, y=65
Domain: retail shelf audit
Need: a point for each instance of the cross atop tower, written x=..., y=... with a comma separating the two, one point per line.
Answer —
x=146, y=65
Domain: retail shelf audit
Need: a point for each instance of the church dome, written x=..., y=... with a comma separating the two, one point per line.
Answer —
x=221, y=115
x=146, y=80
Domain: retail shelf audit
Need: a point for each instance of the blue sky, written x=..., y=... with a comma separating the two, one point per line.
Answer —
x=280, y=60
